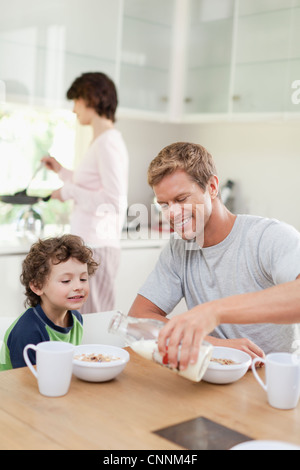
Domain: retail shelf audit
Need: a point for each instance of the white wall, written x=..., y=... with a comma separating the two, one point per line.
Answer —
x=262, y=158
x=144, y=140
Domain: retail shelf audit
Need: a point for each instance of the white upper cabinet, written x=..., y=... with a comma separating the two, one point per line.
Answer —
x=266, y=56
x=242, y=58
x=209, y=56
x=45, y=45
x=146, y=50
x=172, y=59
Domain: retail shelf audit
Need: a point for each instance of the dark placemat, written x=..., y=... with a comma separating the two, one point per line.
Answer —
x=202, y=434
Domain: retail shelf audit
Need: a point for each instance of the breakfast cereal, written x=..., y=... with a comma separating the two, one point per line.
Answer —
x=224, y=362
x=96, y=358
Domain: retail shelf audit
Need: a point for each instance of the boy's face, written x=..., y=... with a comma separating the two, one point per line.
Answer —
x=66, y=288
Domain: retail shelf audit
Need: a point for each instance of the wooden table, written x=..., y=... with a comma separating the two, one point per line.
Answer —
x=124, y=413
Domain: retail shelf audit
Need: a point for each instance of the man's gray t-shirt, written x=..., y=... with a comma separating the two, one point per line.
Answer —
x=258, y=253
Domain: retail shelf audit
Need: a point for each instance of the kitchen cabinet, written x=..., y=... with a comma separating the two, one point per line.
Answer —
x=145, y=55
x=47, y=44
x=243, y=57
x=176, y=60
x=209, y=56
x=227, y=59
x=266, y=56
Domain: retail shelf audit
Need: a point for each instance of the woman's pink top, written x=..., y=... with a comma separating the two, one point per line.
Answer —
x=99, y=188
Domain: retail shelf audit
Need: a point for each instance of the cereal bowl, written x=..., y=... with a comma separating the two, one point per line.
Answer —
x=227, y=365
x=98, y=362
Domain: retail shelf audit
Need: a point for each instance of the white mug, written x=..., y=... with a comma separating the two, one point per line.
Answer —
x=282, y=379
x=54, y=365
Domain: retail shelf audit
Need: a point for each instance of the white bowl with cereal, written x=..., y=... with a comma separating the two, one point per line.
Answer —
x=99, y=362
x=226, y=365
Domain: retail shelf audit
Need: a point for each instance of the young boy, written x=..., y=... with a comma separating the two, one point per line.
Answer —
x=56, y=278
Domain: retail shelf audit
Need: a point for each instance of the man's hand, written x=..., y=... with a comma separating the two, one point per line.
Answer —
x=243, y=344
x=188, y=329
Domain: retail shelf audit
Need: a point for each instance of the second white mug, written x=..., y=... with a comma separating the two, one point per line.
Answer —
x=282, y=373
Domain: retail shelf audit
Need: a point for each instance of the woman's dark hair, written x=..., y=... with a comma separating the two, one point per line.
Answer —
x=37, y=265
x=98, y=91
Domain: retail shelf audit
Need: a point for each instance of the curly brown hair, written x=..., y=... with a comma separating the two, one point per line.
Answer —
x=37, y=265
x=98, y=91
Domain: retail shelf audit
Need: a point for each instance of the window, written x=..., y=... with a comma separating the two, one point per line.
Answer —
x=26, y=135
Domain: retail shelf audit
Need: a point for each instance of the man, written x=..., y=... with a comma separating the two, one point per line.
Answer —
x=239, y=275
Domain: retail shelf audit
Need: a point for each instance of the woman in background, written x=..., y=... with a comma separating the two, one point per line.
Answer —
x=98, y=186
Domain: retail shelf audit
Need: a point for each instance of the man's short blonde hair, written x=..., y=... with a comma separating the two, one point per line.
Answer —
x=194, y=159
